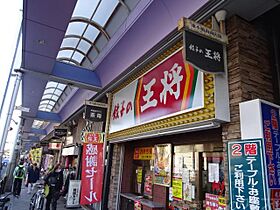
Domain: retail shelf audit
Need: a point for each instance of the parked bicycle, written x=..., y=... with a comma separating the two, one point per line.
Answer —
x=37, y=199
x=5, y=202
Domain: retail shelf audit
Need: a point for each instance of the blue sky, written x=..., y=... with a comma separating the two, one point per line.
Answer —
x=10, y=20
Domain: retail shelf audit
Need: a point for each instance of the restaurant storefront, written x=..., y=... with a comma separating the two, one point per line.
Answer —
x=166, y=126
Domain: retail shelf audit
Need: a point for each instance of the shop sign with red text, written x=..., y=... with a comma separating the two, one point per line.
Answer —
x=143, y=153
x=170, y=88
x=92, y=173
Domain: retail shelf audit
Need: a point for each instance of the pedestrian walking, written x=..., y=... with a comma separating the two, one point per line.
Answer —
x=33, y=174
x=19, y=175
x=54, y=180
x=71, y=176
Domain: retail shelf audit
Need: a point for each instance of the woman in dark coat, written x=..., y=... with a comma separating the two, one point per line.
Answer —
x=55, y=182
x=33, y=174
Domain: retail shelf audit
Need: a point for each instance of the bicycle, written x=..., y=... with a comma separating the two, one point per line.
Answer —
x=5, y=202
x=37, y=199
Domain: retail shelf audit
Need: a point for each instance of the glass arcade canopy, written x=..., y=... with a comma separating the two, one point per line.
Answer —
x=91, y=27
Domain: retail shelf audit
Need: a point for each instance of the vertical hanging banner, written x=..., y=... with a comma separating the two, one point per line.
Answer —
x=92, y=172
x=248, y=189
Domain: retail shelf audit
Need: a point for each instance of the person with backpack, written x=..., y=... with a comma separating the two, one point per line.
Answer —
x=54, y=180
x=19, y=175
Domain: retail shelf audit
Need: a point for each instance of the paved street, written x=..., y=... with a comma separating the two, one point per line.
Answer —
x=22, y=203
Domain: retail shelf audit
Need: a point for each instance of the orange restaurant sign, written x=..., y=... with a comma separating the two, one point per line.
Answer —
x=143, y=153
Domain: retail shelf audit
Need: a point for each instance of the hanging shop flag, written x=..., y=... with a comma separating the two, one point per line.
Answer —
x=246, y=175
x=35, y=155
x=143, y=153
x=172, y=87
x=92, y=173
x=162, y=169
x=95, y=111
x=270, y=121
x=204, y=47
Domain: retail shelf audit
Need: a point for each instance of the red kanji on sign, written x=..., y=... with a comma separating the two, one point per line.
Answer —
x=250, y=149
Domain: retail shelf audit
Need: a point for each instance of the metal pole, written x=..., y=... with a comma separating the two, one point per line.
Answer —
x=9, y=117
x=12, y=164
x=11, y=69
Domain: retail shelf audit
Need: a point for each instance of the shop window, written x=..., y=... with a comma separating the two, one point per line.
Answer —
x=198, y=177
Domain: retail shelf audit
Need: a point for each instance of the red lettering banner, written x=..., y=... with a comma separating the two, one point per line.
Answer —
x=92, y=173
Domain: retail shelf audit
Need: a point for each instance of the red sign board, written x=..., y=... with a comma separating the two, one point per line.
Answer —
x=275, y=199
x=143, y=153
x=54, y=146
x=92, y=173
x=169, y=88
x=214, y=202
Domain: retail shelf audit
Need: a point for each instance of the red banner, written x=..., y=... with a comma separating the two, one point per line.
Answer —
x=92, y=173
x=170, y=88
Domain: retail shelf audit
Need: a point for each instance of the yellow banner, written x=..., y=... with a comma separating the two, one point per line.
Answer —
x=143, y=153
x=35, y=155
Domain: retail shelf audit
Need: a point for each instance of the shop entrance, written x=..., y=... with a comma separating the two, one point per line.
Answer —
x=197, y=180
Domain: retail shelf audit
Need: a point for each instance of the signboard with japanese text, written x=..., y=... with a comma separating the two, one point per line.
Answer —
x=73, y=196
x=93, y=137
x=54, y=146
x=162, y=168
x=92, y=173
x=170, y=88
x=275, y=199
x=148, y=184
x=203, y=53
x=246, y=175
x=214, y=202
x=143, y=153
x=177, y=188
x=60, y=132
x=270, y=120
x=95, y=113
